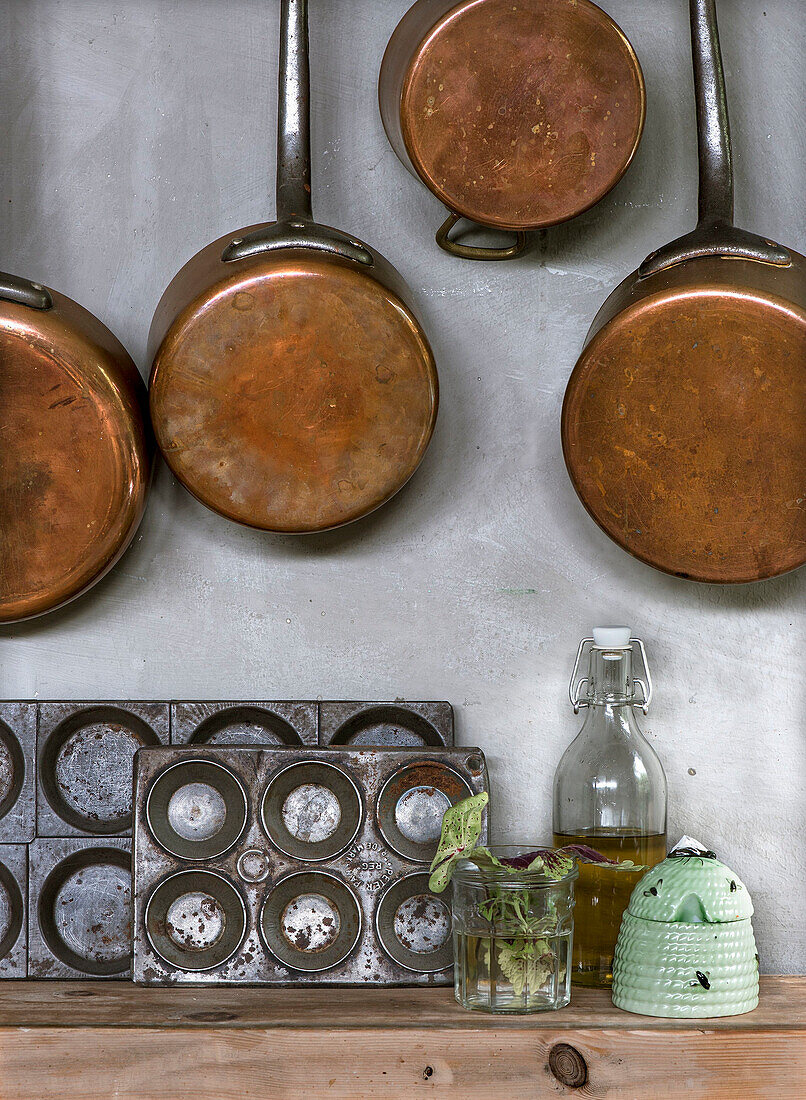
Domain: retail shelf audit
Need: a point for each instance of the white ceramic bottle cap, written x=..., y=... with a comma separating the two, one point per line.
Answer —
x=612, y=637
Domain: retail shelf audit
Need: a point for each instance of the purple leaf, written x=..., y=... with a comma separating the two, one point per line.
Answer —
x=555, y=857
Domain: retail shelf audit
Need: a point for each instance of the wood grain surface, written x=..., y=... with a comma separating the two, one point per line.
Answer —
x=94, y=1040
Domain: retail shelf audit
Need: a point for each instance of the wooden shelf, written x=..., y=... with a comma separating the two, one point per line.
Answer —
x=91, y=1040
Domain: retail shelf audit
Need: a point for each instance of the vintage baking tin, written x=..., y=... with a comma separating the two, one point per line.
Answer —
x=325, y=881
x=236, y=723
x=84, y=764
x=17, y=789
x=399, y=724
x=79, y=908
x=686, y=947
x=13, y=910
x=515, y=115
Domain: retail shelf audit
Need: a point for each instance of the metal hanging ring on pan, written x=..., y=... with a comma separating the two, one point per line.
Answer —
x=684, y=421
x=477, y=252
x=516, y=116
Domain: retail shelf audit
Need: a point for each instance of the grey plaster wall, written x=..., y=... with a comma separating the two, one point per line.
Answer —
x=135, y=131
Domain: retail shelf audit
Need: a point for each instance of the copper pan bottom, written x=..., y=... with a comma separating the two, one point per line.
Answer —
x=74, y=455
x=684, y=431
x=297, y=396
x=522, y=115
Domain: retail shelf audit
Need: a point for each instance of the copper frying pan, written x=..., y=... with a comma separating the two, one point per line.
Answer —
x=75, y=449
x=684, y=421
x=293, y=388
x=516, y=116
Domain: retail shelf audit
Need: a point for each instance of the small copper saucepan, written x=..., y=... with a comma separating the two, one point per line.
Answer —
x=516, y=116
x=684, y=421
x=75, y=449
x=293, y=388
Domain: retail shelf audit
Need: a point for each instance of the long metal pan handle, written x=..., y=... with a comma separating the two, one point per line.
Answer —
x=24, y=292
x=715, y=234
x=295, y=227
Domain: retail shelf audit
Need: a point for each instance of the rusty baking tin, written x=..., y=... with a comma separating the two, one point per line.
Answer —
x=330, y=868
x=13, y=910
x=84, y=764
x=399, y=724
x=17, y=787
x=79, y=908
x=236, y=723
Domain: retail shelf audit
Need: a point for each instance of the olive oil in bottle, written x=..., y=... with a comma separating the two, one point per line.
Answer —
x=609, y=793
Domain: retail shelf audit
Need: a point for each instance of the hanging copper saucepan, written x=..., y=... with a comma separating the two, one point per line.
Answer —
x=293, y=389
x=516, y=116
x=684, y=421
x=75, y=449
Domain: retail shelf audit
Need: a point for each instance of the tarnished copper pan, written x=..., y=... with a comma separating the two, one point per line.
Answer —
x=293, y=388
x=75, y=449
x=684, y=422
x=516, y=115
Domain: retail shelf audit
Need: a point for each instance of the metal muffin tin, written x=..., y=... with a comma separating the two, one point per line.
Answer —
x=398, y=724
x=85, y=755
x=79, y=908
x=322, y=878
x=13, y=911
x=17, y=789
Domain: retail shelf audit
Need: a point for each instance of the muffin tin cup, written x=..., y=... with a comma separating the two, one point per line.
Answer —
x=80, y=911
x=17, y=788
x=411, y=805
x=197, y=809
x=311, y=810
x=413, y=925
x=84, y=764
x=329, y=897
x=395, y=725
x=195, y=920
x=311, y=921
x=13, y=910
x=237, y=723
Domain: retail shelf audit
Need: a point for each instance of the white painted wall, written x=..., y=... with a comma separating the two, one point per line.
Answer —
x=135, y=131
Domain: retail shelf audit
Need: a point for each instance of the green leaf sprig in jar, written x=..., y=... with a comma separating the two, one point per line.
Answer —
x=512, y=915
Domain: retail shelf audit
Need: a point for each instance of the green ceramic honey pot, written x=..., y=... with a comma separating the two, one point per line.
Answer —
x=686, y=945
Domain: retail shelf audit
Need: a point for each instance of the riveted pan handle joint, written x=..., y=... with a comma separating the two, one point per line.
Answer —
x=721, y=241
x=298, y=233
x=477, y=252
x=24, y=292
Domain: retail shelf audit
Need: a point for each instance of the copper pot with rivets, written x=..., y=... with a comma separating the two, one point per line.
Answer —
x=684, y=420
x=293, y=388
x=517, y=116
x=75, y=449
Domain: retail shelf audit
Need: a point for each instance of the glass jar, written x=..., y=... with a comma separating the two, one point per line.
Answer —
x=512, y=935
x=609, y=793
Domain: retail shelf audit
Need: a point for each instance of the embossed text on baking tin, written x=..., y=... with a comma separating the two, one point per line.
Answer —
x=85, y=754
x=368, y=865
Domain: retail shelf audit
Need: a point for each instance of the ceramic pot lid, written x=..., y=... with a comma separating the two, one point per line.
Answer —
x=691, y=887
x=520, y=115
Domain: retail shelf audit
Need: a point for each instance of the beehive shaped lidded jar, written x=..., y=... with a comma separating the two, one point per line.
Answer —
x=686, y=946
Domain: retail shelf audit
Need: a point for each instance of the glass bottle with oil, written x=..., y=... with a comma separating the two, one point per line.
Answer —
x=609, y=793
